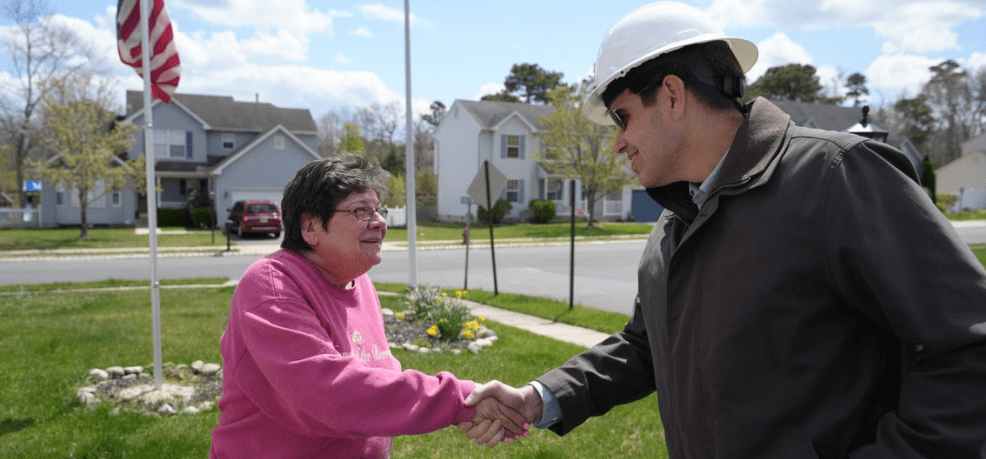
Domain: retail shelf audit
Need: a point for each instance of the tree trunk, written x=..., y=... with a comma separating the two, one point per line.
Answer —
x=83, y=225
x=590, y=198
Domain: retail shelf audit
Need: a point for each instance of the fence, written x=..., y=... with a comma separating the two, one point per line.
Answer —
x=20, y=218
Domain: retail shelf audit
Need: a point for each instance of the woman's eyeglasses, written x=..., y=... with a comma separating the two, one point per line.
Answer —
x=365, y=213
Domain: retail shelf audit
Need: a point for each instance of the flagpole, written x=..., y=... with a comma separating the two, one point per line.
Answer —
x=151, y=191
x=412, y=220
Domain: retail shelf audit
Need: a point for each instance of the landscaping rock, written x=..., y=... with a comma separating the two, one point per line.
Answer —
x=210, y=369
x=100, y=375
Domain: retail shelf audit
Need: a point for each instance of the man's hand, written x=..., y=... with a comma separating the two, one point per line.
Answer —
x=496, y=401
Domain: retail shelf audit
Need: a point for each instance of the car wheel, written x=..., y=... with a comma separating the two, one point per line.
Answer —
x=277, y=235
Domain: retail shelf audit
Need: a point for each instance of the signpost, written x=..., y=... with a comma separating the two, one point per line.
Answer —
x=488, y=182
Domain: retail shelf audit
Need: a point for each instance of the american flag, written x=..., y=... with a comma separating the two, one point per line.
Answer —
x=165, y=66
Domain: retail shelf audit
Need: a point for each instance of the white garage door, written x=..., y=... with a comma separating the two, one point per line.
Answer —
x=244, y=194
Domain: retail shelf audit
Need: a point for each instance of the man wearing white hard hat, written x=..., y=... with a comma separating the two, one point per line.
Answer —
x=800, y=296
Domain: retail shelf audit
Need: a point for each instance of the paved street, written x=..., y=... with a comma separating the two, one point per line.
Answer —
x=605, y=272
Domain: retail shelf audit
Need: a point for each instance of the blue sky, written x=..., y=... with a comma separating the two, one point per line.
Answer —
x=323, y=55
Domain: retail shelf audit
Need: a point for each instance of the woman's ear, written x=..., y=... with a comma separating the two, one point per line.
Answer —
x=309, y=229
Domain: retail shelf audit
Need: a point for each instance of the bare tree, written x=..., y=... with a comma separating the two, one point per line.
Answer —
x=41, y=51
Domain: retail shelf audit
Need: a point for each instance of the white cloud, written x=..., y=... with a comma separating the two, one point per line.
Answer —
x=898, y=75
x=976, y=62
x=777, y=50
x=487, y=89
x=362, y=32
x=913, y=26
x=388, y=14
x=284, y=45
x=342, y=59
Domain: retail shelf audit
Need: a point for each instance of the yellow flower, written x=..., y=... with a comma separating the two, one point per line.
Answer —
x=482, y=319
x=441, y=321
x=458, y=293
x=400, y=316
x=444, y=295
x=433, y=330
x=474, y=325
x=468, y=334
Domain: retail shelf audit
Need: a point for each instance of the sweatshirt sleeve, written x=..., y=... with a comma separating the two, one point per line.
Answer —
x=292, y=371
x=894, y=257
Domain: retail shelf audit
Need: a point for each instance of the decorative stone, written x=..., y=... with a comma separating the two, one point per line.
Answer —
x=205, y=406
x=190, y=410
x=474, y=348
x=115, y=372
x=423, y=350
x=393, y=345
x=135, y=370
x=100, y=375
x=197, y=366
x=167, y=409
x=456, y=351
x=210, y=368
x=181, y=366
x=410, y=347
x=387, y=312
x=129, y=377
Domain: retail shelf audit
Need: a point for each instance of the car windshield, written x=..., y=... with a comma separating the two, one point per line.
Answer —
x=261, y=209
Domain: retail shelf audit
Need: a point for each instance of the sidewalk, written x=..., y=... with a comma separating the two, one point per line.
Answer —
x=544, y=327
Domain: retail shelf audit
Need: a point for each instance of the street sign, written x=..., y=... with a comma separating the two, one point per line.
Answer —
x=32, y=186
x=477, y=189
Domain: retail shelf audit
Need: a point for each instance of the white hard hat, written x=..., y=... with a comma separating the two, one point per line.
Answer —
x=648, y=32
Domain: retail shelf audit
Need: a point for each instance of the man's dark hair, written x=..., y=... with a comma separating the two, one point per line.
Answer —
x=320, y=186
x=709, y=69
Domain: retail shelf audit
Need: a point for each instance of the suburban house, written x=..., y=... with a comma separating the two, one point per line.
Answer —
x=965, y=177
x=507, y=135
x=212, y=146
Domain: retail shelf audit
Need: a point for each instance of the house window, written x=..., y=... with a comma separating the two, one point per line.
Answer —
x=513, y=190
x=278, y=142
x=170, y=143
x=182, y=187
x=60, y=198
x=228, y=140
x=115, y=199
x=554, y=190
x=513, y=146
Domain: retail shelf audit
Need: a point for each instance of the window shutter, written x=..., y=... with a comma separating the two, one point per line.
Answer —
x=521, y=154
x=503, y=194
x=540, y=189
x=188, y=144
x=503, y=146
x=520, y=183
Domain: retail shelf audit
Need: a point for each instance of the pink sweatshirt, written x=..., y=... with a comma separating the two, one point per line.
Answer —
x=307, y=372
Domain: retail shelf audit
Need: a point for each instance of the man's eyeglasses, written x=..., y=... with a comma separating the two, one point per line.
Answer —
x=365, y=213
x=618, y=118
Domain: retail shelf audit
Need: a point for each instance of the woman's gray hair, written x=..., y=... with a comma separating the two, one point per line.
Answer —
x=321, y=185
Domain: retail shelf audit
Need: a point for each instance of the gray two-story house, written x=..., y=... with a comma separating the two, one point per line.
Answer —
x=212, y=146
x=224, y=149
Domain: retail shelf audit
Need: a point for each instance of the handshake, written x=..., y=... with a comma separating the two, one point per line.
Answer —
x=502, y=413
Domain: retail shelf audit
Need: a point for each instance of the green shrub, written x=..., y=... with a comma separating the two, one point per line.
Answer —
x=173, y=217
x=543, y=210
x=500, y=208
x=202, y=217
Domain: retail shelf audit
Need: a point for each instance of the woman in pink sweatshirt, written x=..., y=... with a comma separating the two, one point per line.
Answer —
x=307, y=371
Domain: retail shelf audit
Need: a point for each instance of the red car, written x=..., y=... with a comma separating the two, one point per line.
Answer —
x=254, y=217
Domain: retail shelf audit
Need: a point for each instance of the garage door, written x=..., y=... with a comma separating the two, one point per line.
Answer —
x=243, y=194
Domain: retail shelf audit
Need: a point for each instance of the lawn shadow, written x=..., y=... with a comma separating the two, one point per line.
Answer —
x=10, y=425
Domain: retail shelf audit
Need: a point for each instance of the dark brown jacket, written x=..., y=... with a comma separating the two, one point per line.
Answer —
x=818, y=305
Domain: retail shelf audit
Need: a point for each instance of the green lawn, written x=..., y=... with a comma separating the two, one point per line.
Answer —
x=51, y=339
x=105, y=238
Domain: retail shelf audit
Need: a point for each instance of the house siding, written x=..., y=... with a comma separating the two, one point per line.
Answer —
x=263, y=169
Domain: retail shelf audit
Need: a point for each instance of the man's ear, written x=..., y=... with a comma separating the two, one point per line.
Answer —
x=675, y=87
x=309, y=227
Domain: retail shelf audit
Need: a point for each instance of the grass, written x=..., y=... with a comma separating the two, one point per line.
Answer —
x=50, y=340
x=100, y=238
x=110, y=283
x=114, y=238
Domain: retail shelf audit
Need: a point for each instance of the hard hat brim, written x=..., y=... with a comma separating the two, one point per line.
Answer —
x=595, y=110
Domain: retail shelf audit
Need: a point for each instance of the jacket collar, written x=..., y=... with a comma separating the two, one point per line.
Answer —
x=758, y=141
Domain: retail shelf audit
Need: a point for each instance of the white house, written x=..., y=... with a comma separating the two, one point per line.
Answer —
x=507, y=135
x=965, y=177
